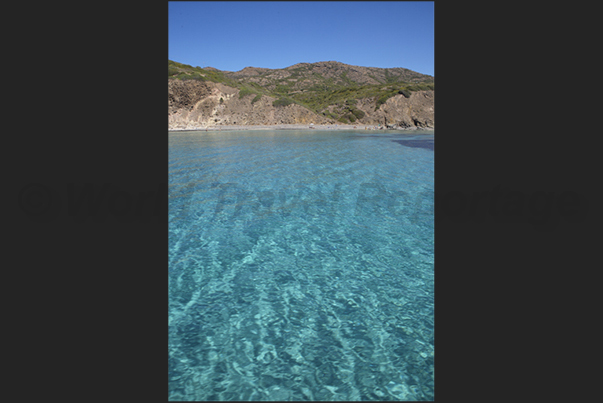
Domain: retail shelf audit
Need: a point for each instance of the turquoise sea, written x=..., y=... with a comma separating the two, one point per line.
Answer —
x=301, y=265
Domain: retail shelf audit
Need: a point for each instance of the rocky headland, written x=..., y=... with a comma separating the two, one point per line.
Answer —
x=210, y=98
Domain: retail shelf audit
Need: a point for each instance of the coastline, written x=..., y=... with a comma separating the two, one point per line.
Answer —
x=298, y=127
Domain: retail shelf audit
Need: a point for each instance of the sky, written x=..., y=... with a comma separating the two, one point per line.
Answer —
x=233, y=35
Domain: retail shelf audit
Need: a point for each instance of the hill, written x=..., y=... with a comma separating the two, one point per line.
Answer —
x=334, y=91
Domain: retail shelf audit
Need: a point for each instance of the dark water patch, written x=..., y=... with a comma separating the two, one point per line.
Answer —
x=382, y=136
x=427, y=144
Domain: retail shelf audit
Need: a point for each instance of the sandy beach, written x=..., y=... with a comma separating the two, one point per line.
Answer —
x=292, y=127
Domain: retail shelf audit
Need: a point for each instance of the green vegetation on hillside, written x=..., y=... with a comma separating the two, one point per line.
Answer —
x=186, y=72
x=303, y=85
x=257, y=98
x=318, y=100
x=283, y=102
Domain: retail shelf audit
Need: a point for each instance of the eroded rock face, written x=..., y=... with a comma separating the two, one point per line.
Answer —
x=183, y=95
x=399, y=112
x=416, y=111
x=197, y=104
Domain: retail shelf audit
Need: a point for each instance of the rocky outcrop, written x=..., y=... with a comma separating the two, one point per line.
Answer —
x=184, y=95
x=397, y=112
x=400, y=112
x=194, y=104
x=198, y=104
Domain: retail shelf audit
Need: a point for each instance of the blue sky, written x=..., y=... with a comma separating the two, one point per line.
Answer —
x=233, y=35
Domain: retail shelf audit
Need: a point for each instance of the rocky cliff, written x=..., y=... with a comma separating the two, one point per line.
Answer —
x=400, y=112
x=193, y=104
x=198, y=104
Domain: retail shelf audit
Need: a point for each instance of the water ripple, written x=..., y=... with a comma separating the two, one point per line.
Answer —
x=300, y=267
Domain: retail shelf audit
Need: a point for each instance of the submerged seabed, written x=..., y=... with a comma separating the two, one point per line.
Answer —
x=300, y=267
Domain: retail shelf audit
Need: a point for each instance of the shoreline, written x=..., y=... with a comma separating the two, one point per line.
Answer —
x=333, y=127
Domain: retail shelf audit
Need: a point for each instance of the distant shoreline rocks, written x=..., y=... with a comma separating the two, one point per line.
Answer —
x=334, y=127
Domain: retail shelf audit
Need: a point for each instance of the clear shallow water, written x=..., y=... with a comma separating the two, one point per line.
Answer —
x=300, y=266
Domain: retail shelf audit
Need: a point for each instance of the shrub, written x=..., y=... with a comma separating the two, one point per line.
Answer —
x=405, y=92
x=257, y=98
x=244, y=92
x=282, y=102
x=329, y=115
x=358, y=113
x=282, y=88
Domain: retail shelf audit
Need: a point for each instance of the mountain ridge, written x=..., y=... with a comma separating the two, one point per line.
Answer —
x=328, y=62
